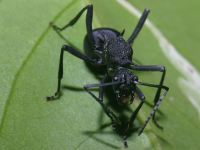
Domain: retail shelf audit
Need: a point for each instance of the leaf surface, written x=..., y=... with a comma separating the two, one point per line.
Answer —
x=30, y=53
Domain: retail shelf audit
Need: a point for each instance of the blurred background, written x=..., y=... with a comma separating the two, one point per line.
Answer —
x=29, y=54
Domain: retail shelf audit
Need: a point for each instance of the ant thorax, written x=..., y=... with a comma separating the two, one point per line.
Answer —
x=118, y=52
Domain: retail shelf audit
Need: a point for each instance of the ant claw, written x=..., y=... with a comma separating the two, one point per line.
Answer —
x=54, y=26
x=51, y=24
x=56, y=96
x=49, y=98
x=125, y=144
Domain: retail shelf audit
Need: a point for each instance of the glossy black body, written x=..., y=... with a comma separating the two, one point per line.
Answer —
x=110, y=48
x=107, y=49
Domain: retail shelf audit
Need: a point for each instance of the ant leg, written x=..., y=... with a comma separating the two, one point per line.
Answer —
x=152, y=68
x=140, y=94
x=138, y=27
x=134, y=114
x=89, y=17
x=157, y=95
x=142, y=98
x=60, y=70
x=101, y=88
x=155, y=108
x=109, y=113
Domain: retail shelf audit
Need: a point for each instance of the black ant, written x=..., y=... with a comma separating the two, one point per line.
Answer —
x=112, y=52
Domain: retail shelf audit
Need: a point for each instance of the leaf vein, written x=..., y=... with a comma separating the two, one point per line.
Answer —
x=33, y=49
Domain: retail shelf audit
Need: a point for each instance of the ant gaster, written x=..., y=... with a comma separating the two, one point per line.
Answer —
x=109, y=50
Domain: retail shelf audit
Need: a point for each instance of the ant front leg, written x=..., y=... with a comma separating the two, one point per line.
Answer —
x=134, y=114
x=115, y=120
x=74, y=52
x=152, y=69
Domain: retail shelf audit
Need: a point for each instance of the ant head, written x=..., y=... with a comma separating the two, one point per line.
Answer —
x=126, y=89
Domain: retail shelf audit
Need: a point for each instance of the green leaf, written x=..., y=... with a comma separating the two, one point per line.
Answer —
x=29, y=63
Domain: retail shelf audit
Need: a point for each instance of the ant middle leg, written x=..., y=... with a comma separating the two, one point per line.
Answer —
x=74, y=52
x=115, y=120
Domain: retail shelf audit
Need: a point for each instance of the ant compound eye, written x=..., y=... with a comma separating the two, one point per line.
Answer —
x=135, y=79
x=115, y=78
